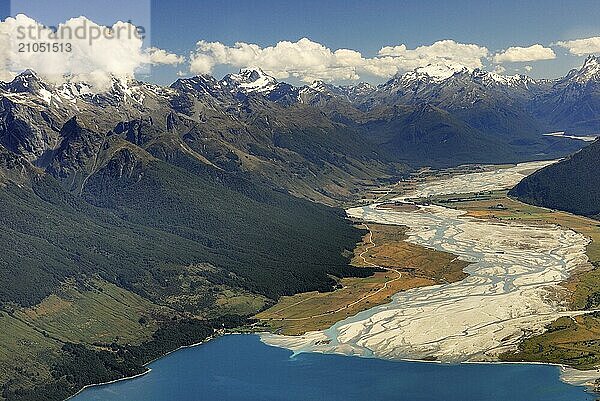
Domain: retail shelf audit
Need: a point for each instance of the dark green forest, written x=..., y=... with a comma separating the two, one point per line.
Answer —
x=140, y=229
x=572, y=185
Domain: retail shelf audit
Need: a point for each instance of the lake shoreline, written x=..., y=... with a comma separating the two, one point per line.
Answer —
x=590, y=387
x=148, y=370
x=563, y=367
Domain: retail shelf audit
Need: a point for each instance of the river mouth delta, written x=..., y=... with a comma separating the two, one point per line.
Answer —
x=506, y=296
x=514, y=272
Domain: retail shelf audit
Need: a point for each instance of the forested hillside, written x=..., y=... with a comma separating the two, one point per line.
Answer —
x=572, y=184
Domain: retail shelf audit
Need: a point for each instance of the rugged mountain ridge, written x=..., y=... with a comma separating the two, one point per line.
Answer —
x=489, y=102
x=199, y=116
x=572, y=104
x=503, y=111
x=515, y=109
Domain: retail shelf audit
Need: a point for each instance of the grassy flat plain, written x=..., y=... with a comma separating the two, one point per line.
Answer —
x=419, y=267
x=573, y=341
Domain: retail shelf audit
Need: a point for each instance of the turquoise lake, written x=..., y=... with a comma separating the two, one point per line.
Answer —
x=241, y=367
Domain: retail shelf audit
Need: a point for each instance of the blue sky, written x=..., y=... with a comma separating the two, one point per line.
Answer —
x=364, y=26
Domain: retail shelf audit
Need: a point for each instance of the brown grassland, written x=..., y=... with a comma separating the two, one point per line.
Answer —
x=419, y=267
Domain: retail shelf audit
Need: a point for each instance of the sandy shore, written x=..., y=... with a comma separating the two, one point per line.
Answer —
x=580, y=377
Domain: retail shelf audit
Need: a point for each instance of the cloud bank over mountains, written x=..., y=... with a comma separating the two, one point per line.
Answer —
x=307, y=60
x=581, y=47
x=517, y=54
x=103, y=52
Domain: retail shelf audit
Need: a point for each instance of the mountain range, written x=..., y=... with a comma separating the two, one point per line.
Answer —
x=244, y=120
x=212, y=198
x=268, y=142
x=458, y=114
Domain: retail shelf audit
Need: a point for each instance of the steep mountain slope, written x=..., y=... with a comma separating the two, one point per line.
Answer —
x=145, y=209
x=572, y=184
x=155, y=157
x=293, y=145
x=153, y=193
x=299, y=150
x=426, y=135
x=572, y=105
x=573, y=102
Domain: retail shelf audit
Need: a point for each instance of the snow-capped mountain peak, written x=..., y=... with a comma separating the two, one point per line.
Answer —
x=439, y=71
x=442, y=74
x=591, y=62
x=26, y=82
x=495, y=79
x=250, y=80
x=589, y=71
x=430, y=74
x=318, y=85
x=352, y=93
x=29, y=87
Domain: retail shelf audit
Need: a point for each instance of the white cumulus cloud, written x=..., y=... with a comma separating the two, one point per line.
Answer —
x=522, y=54
x=78, y=48
x=161, y=56
x=581, y=47
x=469, y=55
x=303, y=59
x=308, y=60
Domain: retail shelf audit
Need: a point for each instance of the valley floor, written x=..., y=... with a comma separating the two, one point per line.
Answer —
x=475, y=276
x=573, y=341
x=530, y=267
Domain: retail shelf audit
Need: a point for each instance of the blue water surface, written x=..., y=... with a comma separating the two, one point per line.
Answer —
x=240, y=367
